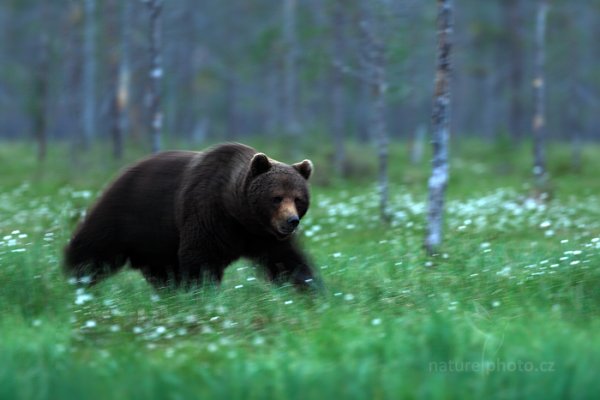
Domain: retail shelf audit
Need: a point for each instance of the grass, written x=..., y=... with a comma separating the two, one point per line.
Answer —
x=510, y=308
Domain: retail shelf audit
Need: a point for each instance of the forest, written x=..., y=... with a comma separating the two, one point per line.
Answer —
x=454, y=219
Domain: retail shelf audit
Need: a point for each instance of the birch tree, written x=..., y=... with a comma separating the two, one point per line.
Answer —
x=89, y=73
x=441, y=128
x=337, y=90
x=373, y=58
x=40, y=98
x=514, y=24
x=290, y=122
x=119, y=29
x=155, y=73
x=73, y=70
x=577, y=112
x=575, y=125
x=539, y=118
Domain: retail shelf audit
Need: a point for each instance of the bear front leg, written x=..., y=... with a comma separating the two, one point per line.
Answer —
x=196, y=269
x=287, y=263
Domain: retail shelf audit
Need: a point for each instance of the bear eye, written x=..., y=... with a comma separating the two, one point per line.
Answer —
x=277, y=199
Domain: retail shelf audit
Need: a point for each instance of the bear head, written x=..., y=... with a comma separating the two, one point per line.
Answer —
x=277, y=194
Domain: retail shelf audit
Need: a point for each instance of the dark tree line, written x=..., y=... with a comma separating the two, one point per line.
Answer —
x=239, y=68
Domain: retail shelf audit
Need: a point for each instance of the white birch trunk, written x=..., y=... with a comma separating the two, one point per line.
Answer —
x=89, y=73
x=289, y=68
x=539, y=86
x=374, y=62
x=155, y=73
x=417, y=145
x=40, y=101
x=514, y=24
x=123, y=84
x=441, y=129
x=337, y=90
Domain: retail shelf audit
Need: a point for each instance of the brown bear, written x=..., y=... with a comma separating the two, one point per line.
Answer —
x=182, y=217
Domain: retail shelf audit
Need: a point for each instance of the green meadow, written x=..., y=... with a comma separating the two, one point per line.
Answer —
x=509, y=308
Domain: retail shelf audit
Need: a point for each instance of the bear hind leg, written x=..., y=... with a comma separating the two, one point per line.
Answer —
x=161, y=276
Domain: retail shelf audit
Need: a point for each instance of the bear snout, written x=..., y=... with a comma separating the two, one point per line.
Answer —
x=286, y=218
x=293, y=221
x=288, y=225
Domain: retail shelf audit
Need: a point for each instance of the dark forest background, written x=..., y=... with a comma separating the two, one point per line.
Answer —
x=79, y=70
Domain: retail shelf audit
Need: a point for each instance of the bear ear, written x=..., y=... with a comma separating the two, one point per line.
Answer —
x=260, y=164
x=304, y=168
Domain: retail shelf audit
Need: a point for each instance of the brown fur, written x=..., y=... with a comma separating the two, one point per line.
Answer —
x=183, y=217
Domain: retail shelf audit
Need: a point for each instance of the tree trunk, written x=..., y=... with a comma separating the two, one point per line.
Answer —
x=73, y=70
x=290, y=91
x=337, y=92
x=539, y=123
x=119, y=71
x=489, y=106
x=272, y=106
x=40, y=100
x=575, y=127
x=514, y=23
x=156, y=73
x=374, y=62
x=379, y=128
x=417, y=145
x=123, y=88
x=231, y=107
x=576, y=110
x=89, y=73
x=441, y=129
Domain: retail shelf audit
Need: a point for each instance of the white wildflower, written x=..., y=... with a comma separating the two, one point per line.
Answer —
x=82, y=297
x=190, y=319
x=212, y=347
x=228, y=324
x=258, y=341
